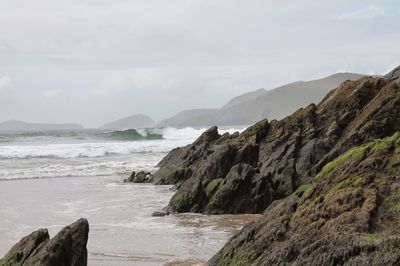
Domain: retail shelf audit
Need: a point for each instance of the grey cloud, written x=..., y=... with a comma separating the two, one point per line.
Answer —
x=97, y=60
x=370, y=12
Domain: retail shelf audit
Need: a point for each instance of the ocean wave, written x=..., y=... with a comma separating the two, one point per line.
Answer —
x=169, y=133
x=83, y=150
x=186, y=133
x=43, y=157
x=85, y=169
x=132, y=134
x=152, y=142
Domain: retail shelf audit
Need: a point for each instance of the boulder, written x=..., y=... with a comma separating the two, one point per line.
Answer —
x=67, y=248
x=131, y=178
x=140, y=177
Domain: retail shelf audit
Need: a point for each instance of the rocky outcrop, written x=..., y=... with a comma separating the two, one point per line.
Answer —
x=139, y=177
x=347, y=215
x=67, y=248
x=244, y=173
x=394, y=75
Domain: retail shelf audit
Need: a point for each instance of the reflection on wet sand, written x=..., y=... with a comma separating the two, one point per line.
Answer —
x=122, y=230
x=202, y=240
x=227, y=222
x=188, y=262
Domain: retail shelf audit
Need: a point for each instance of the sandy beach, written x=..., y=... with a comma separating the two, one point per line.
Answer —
x=122, y=230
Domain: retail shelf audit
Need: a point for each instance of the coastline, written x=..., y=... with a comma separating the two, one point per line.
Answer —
x=123, y=232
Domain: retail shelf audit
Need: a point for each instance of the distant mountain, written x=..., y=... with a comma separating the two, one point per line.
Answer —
x=192, y=117
x=133, y=121
x=249, y=96
x=253, y=106
x=15, y=125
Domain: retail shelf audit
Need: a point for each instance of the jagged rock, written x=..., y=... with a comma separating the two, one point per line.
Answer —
x=241, y=179
x=285, y=153
x=180, y=163
x=394, y=75
x=140, y=177
x=130, y=178
x=159, y=213
x=21, y=251
x=67, y=248
x=348, y=215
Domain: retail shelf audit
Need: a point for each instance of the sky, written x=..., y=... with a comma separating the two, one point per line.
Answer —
x=94, y=61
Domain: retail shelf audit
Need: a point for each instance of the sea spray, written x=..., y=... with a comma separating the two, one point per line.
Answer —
x=89, y=152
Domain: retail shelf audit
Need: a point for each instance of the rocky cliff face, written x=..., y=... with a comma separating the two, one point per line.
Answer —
x=348, y=215
x=394, y=75
x=67, y=248
x=244, y=173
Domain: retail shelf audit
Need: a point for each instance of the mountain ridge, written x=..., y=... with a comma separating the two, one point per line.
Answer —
x=133, y=121
x=18, y=125
x=250, y=107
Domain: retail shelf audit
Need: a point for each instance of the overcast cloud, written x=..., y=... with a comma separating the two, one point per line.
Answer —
x=92, y=61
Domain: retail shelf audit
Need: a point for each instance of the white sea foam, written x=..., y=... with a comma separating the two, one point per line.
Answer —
x=80, y=150
x=86, y=153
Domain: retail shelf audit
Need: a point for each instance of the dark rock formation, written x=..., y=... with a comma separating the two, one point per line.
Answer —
x=158, y=213
x=348, y=215
x=67, y=248
x=140, y=177
x=244, y=173
x=394, y=75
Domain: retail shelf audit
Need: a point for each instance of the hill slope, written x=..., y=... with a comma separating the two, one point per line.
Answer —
x=189, y=118
x=133, y=121
x=15, y=125
x=251, y=107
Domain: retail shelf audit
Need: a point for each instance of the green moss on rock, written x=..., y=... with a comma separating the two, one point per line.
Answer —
x=354, y=153
x=384, y=145
x=240, y=258
x=220, y=195
x=179, y=201
x=163, y=172
x=214, y=185
x=349, y=182
x=301, y=189
x=369, y=237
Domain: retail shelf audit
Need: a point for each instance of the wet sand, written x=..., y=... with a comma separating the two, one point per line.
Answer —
x=122, y=230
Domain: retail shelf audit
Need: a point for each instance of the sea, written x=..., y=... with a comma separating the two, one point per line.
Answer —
x=49, y=179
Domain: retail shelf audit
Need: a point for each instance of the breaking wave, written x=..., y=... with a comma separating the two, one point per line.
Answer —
x=132, y=134
x=89, y=152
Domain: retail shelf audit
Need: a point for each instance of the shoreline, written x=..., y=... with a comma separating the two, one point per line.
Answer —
x=122, y=230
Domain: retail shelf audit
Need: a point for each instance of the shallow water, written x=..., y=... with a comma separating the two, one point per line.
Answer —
x=122, y=230
x=50, y=179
